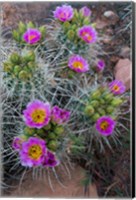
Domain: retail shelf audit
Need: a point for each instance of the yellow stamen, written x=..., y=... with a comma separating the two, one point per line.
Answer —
x=35, y=152
x=78, y=64
x=30, y=37
x=89, y=37
x=116, y=88
x=38, y=115
x=104, y=125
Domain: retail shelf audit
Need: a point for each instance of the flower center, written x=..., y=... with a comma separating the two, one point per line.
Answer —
x=89, y=37
x=62, y=15
x=104, y=125
x=30, y=37
x=38, y=116
x=78, y=65
x=35, y=152
x=116, y=88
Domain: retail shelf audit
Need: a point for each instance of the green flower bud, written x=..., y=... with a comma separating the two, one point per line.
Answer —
x=89, y=110
x=110, y=109
x=108, y=97
x=95, y=117
x=30, y=25
x=71, y=34
x=21, y=27
x=23, y=75
x=15, y=58
x=73, y=27
x=52, y=145
x=94, y=103
x=29, y=56
x=24, y=137
x=7, y=67
x=41, y=132
x=102, y=101
x=42, y=29
x=51, y=135
x=29, y=131
x=86, y=21
x=76, y=15
x=47, y=127
x=59, y=130
x=17, y=69
x=116, y=102
x=93, y=25
x=71, y=74
x=31, y=65
x=96, y=94
x=66, y=25
x=16, y=36
x=101, y=111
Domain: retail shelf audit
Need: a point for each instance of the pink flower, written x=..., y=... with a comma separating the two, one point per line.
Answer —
x=50, y=160
x=78, y=64
x=86, y=12
x=32, y=36
x=63, y=13
x=105, y=125
x=117, y=87
x=33, y=152
x=37, y=114
x=88, y=34
x=17, y=143
x=59, y=115
x=100, y=65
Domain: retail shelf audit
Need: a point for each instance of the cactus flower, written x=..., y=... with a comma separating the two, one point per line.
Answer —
x=63, y=13
x=88, y=34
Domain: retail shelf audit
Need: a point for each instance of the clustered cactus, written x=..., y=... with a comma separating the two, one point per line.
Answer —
x=61, y=102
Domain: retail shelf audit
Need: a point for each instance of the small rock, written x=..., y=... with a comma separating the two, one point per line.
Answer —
x=125, y=52
x=123, y=72
x=111, y=16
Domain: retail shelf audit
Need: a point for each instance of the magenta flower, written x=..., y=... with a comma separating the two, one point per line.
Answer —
x=17, y=143
x=33, y=152
x=88, y=34
x=105, y=125
x=37, y=114
x=59, y=115
x=63, y=13
x=50, y=160
x=32, y=36
x=100, y=65
x=86, y=12
x=117, y=87
x=78, y=64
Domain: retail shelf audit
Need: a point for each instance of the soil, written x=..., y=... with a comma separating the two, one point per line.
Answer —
x=116, y=45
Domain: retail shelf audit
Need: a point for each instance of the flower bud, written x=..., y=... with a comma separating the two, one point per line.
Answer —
x=17, y=69
x=89, y=110
x=116, y=102
x=94, y=103
x=47, y=127
x=66, y=25
x=7, y=67
x=23, y=75
x=29, y=131
x=29, y=56
x=86, y=21
x=42, y=29
x=41, y=132
x=71, y=34
x=96, y=94
x=101, y=111
x=15, y=58
x=16, y=36
x=21, y=27
x=51, y=135
x=30, y=25
x=59, y=130
x=102, y=101
x=108, y=97
x=52, y=145
x=93, y=25
x=110, y=109
x=95, y=116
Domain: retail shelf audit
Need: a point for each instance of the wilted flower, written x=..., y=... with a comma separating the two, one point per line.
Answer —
x=63, y=13
x=37, y=114
x=105, y=125
x=32, y=36
x=59, y=115
x=88, y=34
x=85, y=11
x=78, y=63
x=117, y=87
x=33, y=152
x=17, y=143
x=50, y=160
x=100, y=65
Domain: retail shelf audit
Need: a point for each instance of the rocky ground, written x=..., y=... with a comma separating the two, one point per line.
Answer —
x=114, y=20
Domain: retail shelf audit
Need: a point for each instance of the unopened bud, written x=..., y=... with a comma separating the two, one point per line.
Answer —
x=116, y=102
x=95, y=116
x=15, y=58
x=89, y=110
